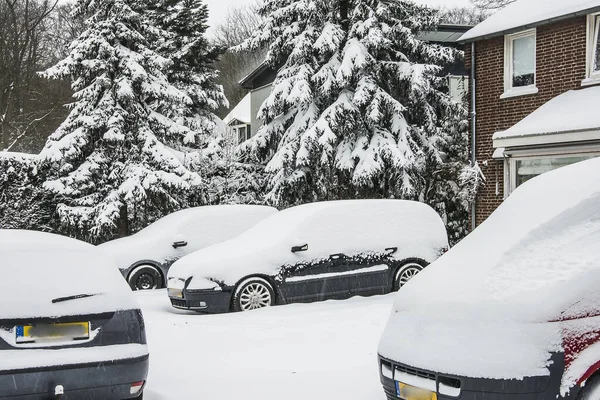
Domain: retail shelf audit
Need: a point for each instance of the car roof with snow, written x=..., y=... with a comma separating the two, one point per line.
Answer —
x=38, y=268
x=533, y=259
x=347, y=226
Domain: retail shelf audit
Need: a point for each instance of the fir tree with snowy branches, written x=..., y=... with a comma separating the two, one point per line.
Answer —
x=193, y=57
x=358, y=108
x=120, y=159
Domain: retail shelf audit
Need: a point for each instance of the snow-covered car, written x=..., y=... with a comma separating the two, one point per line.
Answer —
x=145, y=257
x=318, y=251
x=69, y=325
x=512, y=311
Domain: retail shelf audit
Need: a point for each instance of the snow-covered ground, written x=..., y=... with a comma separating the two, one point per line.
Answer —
x=315, y=351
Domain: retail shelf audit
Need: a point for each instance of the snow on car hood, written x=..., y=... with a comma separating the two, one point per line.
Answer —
x=483, y=308
x=38, y=268
x=199, y=226
x=349, y=227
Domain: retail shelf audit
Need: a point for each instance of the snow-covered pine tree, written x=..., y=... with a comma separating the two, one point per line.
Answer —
x=357, y=107
x=112, y=163
x=184, y=23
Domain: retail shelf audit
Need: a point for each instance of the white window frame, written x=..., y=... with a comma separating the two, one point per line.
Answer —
x=509, y=90
x=593, y=27
x=510, y=161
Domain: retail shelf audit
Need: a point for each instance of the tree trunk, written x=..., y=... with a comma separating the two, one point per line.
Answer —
x=123, y=222
x=344, y=6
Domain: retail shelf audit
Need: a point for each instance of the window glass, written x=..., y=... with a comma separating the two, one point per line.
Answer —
x=248, y=132
x=596, y=46
x=242, y=134
x=523, y=62
x=530, y=168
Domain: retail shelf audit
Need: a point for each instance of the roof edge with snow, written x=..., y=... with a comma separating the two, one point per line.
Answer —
x=502, y=22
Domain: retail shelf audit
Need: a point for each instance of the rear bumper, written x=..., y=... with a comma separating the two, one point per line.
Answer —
x=210, y=301
x=105, y=380
x=529, y=388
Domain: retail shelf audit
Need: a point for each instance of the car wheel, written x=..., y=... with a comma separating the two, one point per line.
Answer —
x=253, y=293
x=591, y=390
x=405, y=273
x=145, y=277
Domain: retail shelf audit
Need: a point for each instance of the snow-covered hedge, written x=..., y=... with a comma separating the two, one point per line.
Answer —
x=23, y=204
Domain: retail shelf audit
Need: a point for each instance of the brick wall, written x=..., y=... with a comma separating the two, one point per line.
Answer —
x=560, y=59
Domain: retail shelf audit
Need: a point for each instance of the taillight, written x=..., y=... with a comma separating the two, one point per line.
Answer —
x=136, y=387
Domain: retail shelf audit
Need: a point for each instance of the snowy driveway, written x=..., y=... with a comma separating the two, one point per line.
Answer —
x=305, y=351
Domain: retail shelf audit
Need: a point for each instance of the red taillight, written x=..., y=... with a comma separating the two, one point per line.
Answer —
x=444, y=250
x=136, y=387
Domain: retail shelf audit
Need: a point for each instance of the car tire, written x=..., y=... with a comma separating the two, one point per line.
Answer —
x=591, y=390
x=405, y=273
x=145, y=277
x=253, y=293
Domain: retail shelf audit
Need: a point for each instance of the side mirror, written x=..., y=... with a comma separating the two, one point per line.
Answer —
x=179, y=243
x=391, y=250
x=296, y=249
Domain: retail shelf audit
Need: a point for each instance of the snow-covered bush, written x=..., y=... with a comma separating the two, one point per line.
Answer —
x=23, y=203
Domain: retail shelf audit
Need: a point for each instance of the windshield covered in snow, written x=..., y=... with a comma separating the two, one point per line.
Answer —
x=33, y=280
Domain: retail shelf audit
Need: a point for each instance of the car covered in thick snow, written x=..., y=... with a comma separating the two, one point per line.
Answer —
x=318, y=251
x=69, y=326
x=512, y=311
x=145, y=257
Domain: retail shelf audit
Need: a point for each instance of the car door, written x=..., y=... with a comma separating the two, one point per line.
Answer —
x=316, y=280
x=371, y=275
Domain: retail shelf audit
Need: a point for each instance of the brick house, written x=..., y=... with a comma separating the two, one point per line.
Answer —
x=534, y=67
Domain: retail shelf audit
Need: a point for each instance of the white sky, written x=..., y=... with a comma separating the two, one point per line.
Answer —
x=219, y=8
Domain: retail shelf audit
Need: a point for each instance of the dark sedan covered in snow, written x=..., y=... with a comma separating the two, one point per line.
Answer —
x=144, y=258
x=69, y=326
x=318, y=251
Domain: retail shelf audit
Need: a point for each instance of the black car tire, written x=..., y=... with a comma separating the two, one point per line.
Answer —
x=591, y=390
x=145, y=277
x=261, y=286
x=405, y=273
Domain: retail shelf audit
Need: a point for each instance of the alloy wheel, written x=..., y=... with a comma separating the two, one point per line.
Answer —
x=255, y=295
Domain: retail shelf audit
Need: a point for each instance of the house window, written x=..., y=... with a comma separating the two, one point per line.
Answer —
x=593, y=54
x=248, y=132
x=241, y=134
x=519, y=64
x=525, y=168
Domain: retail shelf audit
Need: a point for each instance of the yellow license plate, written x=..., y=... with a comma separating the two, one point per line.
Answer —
x=408, y=392
x=178, y=293
x=51, y=332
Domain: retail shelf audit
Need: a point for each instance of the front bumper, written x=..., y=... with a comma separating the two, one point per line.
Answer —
x=529, y=388
x=206, y=301
x=106, y=380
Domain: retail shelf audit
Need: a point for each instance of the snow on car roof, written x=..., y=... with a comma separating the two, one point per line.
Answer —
x=540, y=241
x=39, y=267
x=348, y=226
x=200, y=226
x=575, y=110
x=532, y=260
x=528, y=13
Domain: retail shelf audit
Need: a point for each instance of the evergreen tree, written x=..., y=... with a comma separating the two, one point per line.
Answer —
x=119, y=161
x=358, y=107
x=191, y=70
